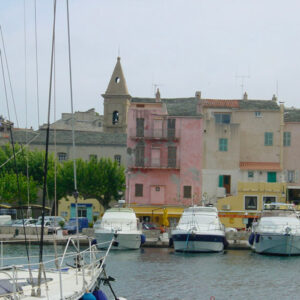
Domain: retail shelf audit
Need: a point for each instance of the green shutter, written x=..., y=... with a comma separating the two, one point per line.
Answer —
x=271, y=176
x=221, y=180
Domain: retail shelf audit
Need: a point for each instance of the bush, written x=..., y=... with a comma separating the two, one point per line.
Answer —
x=91, y=225
x=61, y=223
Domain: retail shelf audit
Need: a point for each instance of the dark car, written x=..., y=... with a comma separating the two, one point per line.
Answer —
x=153, y=226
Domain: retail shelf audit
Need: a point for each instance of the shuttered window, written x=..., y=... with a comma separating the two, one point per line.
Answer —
x=223, y=145
x=138, y=190
x=172, y=157
x=268, y=138
x=171, y=128
x=286, y=139
x=187, y=191
x=140, y=127
x=140, y=155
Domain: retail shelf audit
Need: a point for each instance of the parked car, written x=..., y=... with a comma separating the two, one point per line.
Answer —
x=52, y=223
x=153, y=226
x=27, y=222
x=71, y=225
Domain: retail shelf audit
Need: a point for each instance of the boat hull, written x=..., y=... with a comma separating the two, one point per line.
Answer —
x=126, y=241
x=277, y=244
x=193, y=242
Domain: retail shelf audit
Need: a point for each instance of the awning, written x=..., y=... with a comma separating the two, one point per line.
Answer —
x=151, y=210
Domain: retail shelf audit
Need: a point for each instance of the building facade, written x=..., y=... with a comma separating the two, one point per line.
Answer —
x=164, y=148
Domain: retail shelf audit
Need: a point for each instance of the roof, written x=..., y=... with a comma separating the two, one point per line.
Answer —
x=65, y=137
x=267, y=166
x=175, y=106
x=291, y=115
x=259, y=105
x=221, y=103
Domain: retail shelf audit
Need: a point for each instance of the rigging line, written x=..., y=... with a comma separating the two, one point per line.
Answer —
x=26, y=104
x=16, y=170
x=73, y=130
x=46, y=155
x=36, y=67
x=9, y=80
x=20, y=150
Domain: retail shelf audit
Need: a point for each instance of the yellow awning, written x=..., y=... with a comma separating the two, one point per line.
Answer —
x=173, y=211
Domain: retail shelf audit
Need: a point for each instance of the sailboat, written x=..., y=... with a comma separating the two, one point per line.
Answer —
x=74, y=275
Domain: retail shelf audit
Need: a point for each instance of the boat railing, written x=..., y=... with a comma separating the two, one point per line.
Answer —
x=201, y=227
x=119, y=227
x=87, y=262
x=284, y=228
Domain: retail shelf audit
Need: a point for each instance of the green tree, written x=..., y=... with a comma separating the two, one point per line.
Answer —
x=9, y=189
x=101, y=179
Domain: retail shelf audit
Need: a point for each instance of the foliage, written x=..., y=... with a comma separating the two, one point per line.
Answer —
x=101, y=179
x=61, y=224
x=9, y=189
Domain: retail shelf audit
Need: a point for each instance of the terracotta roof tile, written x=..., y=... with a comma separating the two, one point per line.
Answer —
x=268, y=166
x=221, y=103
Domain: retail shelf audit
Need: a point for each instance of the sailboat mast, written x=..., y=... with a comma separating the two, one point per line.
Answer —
x=76, y=194
x=46, y=156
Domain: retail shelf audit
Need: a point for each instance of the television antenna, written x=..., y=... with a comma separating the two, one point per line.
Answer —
x=155, y=86
x=242, y=78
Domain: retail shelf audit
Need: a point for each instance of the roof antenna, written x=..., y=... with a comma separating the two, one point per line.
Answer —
x=155, y=86
x=277, y=89
x=119, y=51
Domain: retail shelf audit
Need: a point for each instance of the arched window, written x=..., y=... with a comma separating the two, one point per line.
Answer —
x=115, y=117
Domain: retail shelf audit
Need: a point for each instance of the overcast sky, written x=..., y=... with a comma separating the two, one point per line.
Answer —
x=218, y=47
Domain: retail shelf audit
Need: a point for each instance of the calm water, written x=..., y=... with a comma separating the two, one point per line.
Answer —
x=154, y=273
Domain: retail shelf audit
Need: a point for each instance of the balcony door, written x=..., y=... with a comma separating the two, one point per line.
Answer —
x=155, y=157
x=157, y=128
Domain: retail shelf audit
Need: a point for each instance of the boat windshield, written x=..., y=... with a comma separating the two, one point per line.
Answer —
x=198, y=219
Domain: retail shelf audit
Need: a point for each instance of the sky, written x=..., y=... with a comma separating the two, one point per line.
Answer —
x=219, y=47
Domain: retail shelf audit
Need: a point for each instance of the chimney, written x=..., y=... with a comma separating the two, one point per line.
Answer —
x=274, y=98
x=245, y=97
x=157, y=96
x=198, y=95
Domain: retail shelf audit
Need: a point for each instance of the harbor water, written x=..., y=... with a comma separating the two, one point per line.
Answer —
x=160, y=273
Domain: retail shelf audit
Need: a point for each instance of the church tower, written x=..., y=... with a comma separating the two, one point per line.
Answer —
x=116, y=102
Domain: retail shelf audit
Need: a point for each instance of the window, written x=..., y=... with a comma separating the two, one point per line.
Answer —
x=99, y=124
x=222, y=118
x=269, y=199
x=171, y=128
x=138, y=190
x=140, y=155
x=157, y=188
x=118, y=159
x=62, y=156
x=82, y=212
x=140, y=127
x=291, y=176
x=64, y=214
x=115, y=117
x=225, y=181
x=258, y=114
x=93, y=156
x=251, y=202
x=250, y=174
x=286, y=139
x=187, y=191
x=172, y=157
x=223, y=145
x=268, y=138
x=271, y=176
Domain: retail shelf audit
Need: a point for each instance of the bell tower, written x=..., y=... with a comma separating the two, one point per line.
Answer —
x=116, y=102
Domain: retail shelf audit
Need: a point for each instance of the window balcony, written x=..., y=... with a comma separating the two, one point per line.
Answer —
x=154, y=134
x=154, y=164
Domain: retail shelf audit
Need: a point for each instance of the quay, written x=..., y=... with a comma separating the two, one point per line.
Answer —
x=154, y=239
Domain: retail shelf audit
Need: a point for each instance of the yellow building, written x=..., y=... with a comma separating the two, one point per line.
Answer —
x=86, y=208
x=162, y=215
x=239, y=211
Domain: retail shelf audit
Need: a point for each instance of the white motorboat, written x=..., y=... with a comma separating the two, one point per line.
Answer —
x=123, y=223
x=199, y=230
x=277, y=231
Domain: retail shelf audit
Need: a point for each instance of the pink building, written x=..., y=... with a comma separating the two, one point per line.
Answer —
x=164, y=148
